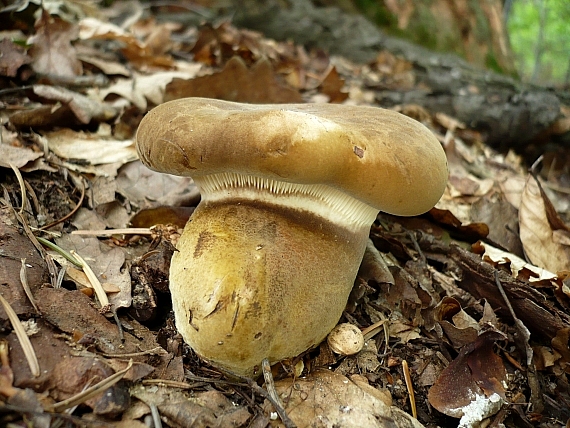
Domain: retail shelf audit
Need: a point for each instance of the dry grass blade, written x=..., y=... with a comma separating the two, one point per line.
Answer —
x=410, y=387
x=92, y=391
x=22, y=337
x=101, y=295
x=22, y=186
x=60, y=251
x=24, y=280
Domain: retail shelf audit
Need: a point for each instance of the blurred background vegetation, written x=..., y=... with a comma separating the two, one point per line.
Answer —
x=539, y=32
x=536, y=44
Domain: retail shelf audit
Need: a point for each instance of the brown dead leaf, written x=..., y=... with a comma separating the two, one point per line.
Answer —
x=472, y=386
x=502, y=219
x=537, y=313
x=140, y=54
x=539, y=224
x=236, y=82
x=74, y=374
x=496, y=257
x=145, y=188
x=458, y=326
x=12, y=58
x=470, y=230
x=328, y=399
x=52, y=52
x=332, y=86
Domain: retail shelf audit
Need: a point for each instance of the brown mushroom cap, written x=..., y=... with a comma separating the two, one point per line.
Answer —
x=380, y=157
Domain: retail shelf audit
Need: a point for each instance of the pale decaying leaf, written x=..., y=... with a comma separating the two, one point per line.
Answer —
x=145, y=188
x=84, y=108
x=17, y=156
x=200, y=409
x=52, y=52
x=515, y=263
x=538, y=223
x=96, y=150
x=328, y=399
x=142, y=89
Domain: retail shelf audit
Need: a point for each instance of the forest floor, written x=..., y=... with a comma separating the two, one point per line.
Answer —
x=465, y=310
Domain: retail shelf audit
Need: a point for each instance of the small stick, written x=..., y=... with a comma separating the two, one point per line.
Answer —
x=372, y=330
x=280, y=410
x=410, y=387
x=109, y=232
x=155, y=415
x=269, y=383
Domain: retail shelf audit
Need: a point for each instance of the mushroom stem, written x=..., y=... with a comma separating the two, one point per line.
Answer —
x=252, y=276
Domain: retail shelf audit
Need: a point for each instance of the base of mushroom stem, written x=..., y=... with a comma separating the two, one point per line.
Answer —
x=252, y=281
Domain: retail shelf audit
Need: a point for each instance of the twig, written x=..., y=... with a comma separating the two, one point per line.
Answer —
x=109, y=232
x=118, y=322
x=155, y=415
x=372, y=330
x=171, y=383
x=410, y=387
x=49, y=262
x=269, y=383
x=280, y=410
x=158, y=350
x=22, y=337
x=524, y=334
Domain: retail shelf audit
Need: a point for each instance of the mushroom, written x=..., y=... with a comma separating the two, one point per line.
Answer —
x=345, y=339
x=265, y=264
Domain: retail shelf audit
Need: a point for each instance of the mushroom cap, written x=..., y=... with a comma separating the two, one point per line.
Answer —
x=383, y=158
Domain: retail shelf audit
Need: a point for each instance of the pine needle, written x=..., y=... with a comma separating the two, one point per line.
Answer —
x=22, y=337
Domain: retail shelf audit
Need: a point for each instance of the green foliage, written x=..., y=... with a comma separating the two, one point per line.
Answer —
x=545, y=57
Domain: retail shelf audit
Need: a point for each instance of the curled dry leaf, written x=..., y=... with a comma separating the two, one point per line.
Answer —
x=459, y=327
x=540, y=227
